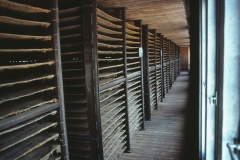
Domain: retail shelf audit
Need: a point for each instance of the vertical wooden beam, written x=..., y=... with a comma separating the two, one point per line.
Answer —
x=58, y=65
x=91, y=76
x=162, y=67
x=146, y=72
x=138, y=23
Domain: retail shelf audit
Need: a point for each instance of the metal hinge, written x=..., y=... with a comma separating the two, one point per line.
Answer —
x=97, y=141
x=213, y=100
x=234, y=149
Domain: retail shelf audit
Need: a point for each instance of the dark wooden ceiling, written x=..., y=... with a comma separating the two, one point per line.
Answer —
x=167, y=16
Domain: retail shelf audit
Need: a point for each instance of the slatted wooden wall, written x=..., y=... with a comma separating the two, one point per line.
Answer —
x=172, y=62
x=162, y=57
x=32, y=117
x=112, y=67
x=110, y=135
x=176, y=61
x=81, y=129
x=166, y=52
x=159, y=68
x=134, y=70
x=109, y=89
x=152, y=68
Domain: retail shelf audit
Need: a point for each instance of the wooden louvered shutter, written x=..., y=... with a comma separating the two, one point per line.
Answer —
x=32, y=114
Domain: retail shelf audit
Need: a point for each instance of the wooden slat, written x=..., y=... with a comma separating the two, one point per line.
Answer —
x=109, y=46
x=133, y=93
x=109, y=80
x=106, y=127
x=34, y=145
x=108, y=67
x=24, y=66
x=114, y=150
x=118, y=125
x=107, y=16
x=128, y=25
x=106, y=111
x=22, y=7
x=107, y=38
x=27, y=123
x=15, y=108
x=69, y=19
x=71, y=36
x=132, y=37
x=17, y=36
x=113, y=141
x=107, y=31
x=43, y=50
x=67, y=28
x=107, y=119
x=71, y=53
x=111, y=101
x=109, y=59
x=109, y=52
x=131, y=84
x=20, y=93
x=68, y=10
x=113, y=87
x=128, y=31
x=44, y=152
x=14, y=21
x=132, y=42
x=108, y=94
x=23, y=80
x=116, y=131
x=76, y=116
x=11, y=141
x=107, y=23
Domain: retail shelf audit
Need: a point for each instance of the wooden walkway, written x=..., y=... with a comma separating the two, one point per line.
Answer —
x=164, y=138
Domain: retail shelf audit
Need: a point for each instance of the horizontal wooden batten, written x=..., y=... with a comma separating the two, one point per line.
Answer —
x=11, y=121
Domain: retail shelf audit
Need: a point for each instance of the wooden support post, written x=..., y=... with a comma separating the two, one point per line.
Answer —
x=58, y=64
x=91, y=76
x=146, y=72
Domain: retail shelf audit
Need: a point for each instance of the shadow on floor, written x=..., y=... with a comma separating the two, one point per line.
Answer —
x=169, y=134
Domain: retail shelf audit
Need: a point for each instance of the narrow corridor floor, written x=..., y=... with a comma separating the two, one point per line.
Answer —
x=164, y=138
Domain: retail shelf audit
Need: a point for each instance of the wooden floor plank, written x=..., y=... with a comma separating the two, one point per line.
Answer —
x=164, y=136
